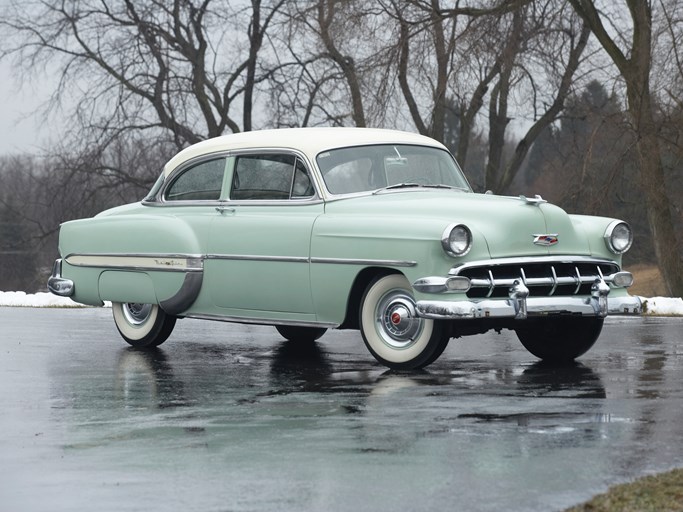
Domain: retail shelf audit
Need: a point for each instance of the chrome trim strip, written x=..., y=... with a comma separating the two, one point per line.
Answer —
x=234, y=203
x=304, y=259
x=159, y=262
x=258, y=257
x=259, y=321
x=344, y=261
x=195, y=262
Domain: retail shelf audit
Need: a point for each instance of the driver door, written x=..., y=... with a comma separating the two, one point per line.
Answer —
x=258, y=259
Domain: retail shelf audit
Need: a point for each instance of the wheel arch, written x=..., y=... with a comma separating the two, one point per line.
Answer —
x=360, y=284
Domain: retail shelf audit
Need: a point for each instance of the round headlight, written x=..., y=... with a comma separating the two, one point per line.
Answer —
x=456, y=240
x=618, y=237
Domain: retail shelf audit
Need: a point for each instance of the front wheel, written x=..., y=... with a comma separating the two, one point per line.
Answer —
x=560, y=339
x=142, y=325
x=391, y=329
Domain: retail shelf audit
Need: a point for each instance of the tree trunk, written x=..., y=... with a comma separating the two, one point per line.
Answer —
x=636, y=73
x=652, y=182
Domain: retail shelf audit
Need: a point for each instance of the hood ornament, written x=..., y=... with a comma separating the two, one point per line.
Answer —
x=536, y=200
x=545, y=240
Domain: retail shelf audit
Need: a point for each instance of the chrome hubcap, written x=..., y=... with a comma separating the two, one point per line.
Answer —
x=136, y=313
x=396, y=320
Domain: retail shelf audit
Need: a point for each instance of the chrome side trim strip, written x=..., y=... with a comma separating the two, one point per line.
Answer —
x=163, y=262
x=257, y=257
x=344, y=261
x=304, y=259
x=195, y=262
x=262, y=321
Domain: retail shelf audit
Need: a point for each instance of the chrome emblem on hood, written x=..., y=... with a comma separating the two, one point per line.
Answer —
x=545, y=240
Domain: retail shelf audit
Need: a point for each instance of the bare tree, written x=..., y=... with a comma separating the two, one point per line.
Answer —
x=541, y=54
x=519, y=55
x=327, y=57
x=575, y=39
x=149, y=65
x=632, y=55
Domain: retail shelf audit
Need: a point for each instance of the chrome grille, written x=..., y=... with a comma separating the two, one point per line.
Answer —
x=542, y=276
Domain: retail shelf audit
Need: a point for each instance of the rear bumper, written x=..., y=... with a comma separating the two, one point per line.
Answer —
x=57, y=284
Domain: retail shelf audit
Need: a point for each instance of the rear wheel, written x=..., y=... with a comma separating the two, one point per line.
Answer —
x=391, y=329
x=560, y=339
x=295, y=333
x=142, y=325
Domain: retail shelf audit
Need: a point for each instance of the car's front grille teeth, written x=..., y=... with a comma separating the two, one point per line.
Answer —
x=542, y=279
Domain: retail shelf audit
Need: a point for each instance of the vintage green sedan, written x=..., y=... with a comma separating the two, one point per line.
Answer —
x=312, y=229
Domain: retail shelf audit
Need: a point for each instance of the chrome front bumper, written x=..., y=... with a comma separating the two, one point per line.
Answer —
x=57, y=284
x=590, y=288
x=528, y=307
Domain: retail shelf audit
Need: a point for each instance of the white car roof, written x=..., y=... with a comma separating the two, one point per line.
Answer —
x=310, y=141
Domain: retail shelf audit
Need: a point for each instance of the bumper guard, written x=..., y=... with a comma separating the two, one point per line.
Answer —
x=57, y=284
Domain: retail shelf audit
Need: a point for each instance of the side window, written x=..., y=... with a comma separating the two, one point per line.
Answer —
x=270, y=177
x=203, y=182
x=302, y=186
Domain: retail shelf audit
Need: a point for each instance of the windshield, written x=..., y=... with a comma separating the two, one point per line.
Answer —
x=371, y=168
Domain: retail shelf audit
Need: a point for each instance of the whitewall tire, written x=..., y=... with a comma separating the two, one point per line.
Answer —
x=391, y=329
x=142, y=325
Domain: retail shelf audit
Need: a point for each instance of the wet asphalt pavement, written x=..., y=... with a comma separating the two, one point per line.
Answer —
x=225, y=417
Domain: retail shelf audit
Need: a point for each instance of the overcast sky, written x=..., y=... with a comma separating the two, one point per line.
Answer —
x=20, y=131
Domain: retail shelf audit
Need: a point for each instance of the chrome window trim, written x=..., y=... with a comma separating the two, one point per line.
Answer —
x=313, y=172
x=175, y=173
x=334, y=197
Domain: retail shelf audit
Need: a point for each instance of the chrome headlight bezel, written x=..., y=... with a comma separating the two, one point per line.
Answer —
x=618, y=237
x=456, y=240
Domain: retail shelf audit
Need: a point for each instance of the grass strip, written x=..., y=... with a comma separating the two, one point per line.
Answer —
x=656, y=493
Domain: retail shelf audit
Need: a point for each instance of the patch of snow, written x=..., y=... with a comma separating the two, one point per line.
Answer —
x=672, y=306
x=37, y=300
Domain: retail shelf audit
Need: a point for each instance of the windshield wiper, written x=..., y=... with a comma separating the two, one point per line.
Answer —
x=397, y=185
x=418, y=185
x=449, y=187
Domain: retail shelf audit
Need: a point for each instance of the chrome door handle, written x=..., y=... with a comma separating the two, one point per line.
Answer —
x=224, y=209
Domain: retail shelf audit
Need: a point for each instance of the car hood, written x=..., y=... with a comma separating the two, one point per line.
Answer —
x=508, y=225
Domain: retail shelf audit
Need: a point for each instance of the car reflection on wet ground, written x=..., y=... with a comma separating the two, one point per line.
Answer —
x=228, y=417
